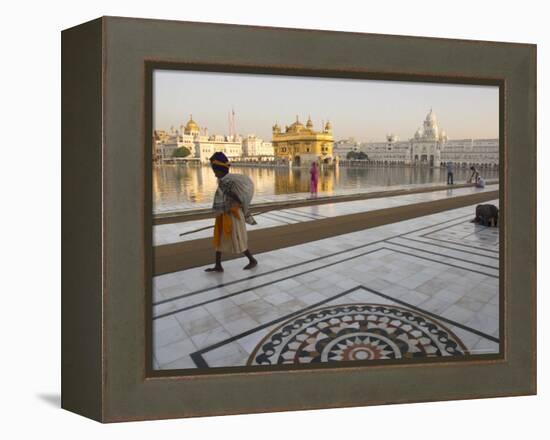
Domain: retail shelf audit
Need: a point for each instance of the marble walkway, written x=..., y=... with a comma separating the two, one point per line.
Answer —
x=438, y=272
x=170, y=233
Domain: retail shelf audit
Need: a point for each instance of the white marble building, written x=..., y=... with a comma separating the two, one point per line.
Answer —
x=164, y=150
x=164, y=144
x=342, y=147
x=203, y=146
x=431, y=146
x=206, y=146
x=255, y=147
x=427, y=143
x=392, y=151
x=465, y=152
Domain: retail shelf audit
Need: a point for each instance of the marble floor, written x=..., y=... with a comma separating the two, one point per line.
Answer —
x=422, y=287
x=170, y=233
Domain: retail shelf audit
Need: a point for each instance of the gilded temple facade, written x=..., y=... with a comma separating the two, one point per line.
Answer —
x=301, y=145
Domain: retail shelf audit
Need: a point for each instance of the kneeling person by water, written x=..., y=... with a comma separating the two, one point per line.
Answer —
x=232, y=208
x=480, y=183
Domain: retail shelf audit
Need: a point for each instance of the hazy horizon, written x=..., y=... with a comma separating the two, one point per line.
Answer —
x=366, y=110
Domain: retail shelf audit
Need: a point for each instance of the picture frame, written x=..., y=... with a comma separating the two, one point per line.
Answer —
x=107, y=257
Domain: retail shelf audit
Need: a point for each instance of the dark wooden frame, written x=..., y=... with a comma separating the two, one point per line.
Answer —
x=106, y=214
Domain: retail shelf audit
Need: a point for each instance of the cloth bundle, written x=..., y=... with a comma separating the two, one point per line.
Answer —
x=236, y=185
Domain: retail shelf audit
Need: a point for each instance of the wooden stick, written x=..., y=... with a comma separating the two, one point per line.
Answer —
x=211, y=226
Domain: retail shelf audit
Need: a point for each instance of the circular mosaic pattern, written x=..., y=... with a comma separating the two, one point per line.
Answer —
x=356, y=332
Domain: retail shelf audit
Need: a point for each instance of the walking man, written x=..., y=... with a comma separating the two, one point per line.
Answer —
x=232, y=208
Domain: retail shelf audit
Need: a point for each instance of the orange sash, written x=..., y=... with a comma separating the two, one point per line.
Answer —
x=224, y=224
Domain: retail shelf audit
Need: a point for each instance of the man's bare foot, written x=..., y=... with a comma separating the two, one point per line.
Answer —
x=214, y=269
x=252, y=264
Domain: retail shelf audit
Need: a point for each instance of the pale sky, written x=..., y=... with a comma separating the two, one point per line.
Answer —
x=364, y=109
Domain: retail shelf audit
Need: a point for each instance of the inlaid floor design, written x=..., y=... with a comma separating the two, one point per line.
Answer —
x=357, y=331
x=421, y=287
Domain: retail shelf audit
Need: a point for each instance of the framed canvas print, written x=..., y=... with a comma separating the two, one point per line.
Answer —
x=264, y=219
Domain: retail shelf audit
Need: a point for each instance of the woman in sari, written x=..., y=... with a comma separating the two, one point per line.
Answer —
x=314, y=179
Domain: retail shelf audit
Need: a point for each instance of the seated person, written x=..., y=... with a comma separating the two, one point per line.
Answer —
x=480, y=182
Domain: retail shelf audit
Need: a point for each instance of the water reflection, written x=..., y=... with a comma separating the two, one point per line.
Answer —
x=180, y=184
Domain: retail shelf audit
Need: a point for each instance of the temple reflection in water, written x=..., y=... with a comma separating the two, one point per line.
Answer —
x=173, y=184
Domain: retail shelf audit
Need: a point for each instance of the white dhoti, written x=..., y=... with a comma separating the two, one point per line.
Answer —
x=230, y=234
x=232, y=206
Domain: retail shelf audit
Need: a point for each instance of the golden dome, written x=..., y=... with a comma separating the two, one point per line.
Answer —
x=309, y=124
x=191, y=126
x=296, y=126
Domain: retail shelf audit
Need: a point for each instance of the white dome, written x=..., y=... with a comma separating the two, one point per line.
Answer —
x=431, y=117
